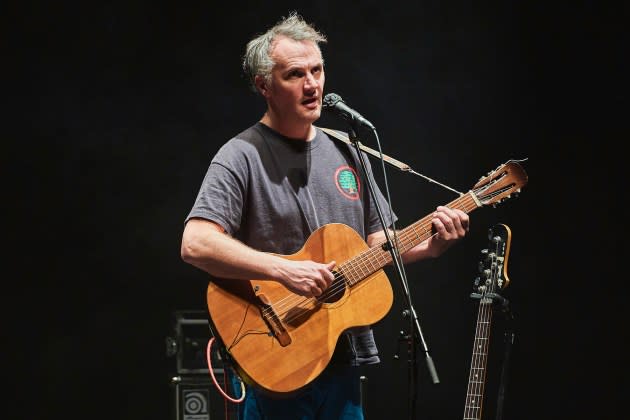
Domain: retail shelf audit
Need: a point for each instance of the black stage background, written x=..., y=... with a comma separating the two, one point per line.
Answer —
x=115, y=109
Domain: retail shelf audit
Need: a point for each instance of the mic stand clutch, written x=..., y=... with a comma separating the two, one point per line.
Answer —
x=397, y=263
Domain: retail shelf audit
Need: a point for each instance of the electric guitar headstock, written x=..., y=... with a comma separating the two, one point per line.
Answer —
x=493, y=266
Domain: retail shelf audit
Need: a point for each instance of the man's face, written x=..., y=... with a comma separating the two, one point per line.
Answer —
x=297, y=84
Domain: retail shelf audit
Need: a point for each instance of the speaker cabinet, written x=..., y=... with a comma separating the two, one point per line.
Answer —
x=197, y=398
x=188, y=341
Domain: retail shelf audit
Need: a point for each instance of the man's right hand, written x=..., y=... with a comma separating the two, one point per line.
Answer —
x=306, y=278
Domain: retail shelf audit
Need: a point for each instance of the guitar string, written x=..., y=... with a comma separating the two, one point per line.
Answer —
x=294, y=300
x=476, y=387
x=474, y=379
x=349, y=270
x=482, y=359
x=471, y=397
x=346, y=270
x=487, y=328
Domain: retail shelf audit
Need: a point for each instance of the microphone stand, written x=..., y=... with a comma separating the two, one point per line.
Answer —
x=416, y=334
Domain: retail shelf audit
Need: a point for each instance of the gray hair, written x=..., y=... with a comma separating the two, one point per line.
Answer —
x=257, y=60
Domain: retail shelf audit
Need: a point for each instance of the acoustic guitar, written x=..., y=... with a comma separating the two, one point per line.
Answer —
x=493, y=278
x=280, y=341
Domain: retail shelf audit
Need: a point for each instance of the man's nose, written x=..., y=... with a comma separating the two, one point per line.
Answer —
x=310, y=82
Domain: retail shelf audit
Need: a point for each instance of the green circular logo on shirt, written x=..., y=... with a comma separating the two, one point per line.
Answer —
x=347, y=182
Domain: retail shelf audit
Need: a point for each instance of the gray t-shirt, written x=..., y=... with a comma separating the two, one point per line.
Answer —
x=271, y=193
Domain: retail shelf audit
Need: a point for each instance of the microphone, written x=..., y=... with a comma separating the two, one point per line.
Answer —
x=333, y=102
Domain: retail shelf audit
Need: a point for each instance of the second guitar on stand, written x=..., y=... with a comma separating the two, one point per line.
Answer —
x=493, y=278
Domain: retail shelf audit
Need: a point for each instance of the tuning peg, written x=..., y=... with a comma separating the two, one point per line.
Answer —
x=484, y=255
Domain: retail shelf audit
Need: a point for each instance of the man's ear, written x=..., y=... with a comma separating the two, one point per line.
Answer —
x=261, y=85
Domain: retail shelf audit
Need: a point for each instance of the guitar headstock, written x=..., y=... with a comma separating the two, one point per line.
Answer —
x=493, y=265
x=501, y=184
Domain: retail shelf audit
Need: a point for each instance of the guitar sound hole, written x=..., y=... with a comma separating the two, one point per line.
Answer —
x=335, y=291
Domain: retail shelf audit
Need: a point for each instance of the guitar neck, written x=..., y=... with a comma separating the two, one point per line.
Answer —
x=477, y=378
x=370, y=261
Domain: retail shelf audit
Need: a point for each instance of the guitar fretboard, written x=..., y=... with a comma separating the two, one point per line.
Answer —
x=477, y=379
x=370, y=261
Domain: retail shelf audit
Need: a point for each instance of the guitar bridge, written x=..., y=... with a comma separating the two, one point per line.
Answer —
x=273, y=321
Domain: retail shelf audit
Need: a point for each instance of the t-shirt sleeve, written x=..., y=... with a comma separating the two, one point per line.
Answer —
x=222, y=194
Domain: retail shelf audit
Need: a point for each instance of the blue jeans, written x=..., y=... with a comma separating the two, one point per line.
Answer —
x=333, y=395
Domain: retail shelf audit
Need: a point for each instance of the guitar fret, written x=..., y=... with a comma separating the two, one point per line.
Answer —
x=356, y=273
x=372, y=269
x=349, y=274
x=413, y=228
x=345, y=275
x=361, y=267
x=426, y=232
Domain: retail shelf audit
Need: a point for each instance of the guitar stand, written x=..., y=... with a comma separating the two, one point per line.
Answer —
x=508, y=339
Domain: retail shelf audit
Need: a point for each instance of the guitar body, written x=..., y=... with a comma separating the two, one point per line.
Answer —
x=308, y=328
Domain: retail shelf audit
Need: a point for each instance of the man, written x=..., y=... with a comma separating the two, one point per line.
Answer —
x=270, y=187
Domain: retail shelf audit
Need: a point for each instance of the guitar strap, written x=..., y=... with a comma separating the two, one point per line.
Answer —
x=338, y=135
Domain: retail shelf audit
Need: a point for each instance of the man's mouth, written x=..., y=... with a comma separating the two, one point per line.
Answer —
x=310, y=102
